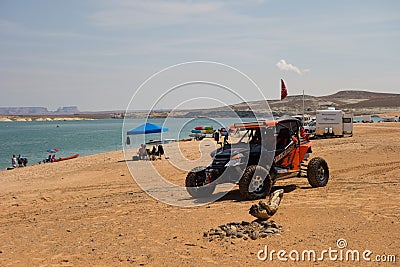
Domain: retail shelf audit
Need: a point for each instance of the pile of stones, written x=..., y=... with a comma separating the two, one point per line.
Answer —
x=244, y=229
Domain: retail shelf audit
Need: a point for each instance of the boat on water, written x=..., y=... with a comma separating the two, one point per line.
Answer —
x=197, y=135
x=158, y=142
x=67, y=158
x=204, y=128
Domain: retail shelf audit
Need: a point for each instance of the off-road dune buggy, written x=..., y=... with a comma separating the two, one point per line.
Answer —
x=260, y=153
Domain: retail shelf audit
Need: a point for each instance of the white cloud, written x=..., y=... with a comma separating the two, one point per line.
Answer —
x=283, y=65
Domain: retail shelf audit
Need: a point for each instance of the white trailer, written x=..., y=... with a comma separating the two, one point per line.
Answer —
x=348, y=123
x=333, y=123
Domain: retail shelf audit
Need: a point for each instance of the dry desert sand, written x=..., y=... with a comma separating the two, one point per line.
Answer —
x=90, y=212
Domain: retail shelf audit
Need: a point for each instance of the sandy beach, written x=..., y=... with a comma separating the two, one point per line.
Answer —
x=90, y=212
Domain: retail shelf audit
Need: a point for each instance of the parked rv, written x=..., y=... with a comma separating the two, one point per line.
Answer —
x=332, y=122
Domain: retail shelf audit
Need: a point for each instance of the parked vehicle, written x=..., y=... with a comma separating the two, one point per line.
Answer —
x=266, y=151
x=304, y=119
x=311, y=127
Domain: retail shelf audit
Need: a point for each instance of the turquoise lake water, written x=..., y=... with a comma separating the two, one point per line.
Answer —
x=33, y=139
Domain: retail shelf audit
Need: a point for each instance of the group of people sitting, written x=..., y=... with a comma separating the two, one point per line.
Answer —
x=147, y=154
x=51, y=158
x=19, y=162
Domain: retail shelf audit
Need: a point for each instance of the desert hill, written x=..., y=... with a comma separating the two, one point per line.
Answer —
x=355, y=101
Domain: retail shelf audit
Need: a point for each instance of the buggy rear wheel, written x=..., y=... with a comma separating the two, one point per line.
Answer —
x=255, y=183
x=317, y=172
x=196, y=184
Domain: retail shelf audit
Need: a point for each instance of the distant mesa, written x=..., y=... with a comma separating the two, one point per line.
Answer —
x=67, y=110
x=38, y=111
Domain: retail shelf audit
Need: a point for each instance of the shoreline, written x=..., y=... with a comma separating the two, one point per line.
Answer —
x=105, y=153
x=50, y=163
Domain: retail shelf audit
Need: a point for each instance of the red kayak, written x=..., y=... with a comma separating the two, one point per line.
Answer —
x=67, y=158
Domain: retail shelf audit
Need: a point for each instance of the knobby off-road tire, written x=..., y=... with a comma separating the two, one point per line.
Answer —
x=317, y=172
x=255, y=183
x=196, y=184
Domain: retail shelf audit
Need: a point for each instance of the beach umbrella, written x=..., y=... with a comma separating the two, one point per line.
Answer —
x=147, y=128
x=53, y=150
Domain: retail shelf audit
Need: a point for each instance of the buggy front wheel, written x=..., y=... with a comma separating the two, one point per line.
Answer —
x=255, y=183
x=196, y=184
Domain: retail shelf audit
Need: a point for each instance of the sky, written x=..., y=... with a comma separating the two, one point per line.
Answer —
x=99, y=55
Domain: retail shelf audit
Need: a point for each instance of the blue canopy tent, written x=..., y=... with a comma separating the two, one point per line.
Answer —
x=147, y=128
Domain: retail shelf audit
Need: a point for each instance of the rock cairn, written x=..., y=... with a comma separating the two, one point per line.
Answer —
x=259, y=228
x=243, y=230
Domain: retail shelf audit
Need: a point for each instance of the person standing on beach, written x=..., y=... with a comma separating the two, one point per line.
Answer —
x=224, y=133
x=19, y=160
x=14, y=161
x=216, y=136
